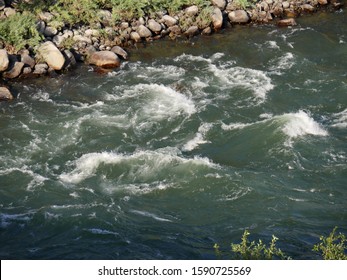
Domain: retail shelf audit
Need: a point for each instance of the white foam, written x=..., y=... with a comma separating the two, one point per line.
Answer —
x=255, y=80
x=199, y=137
x=300, y=124
x=142, y=164
x=286, y=62
x=102, y=231
x=233, y=126
x=340, y=119
x=273, y=45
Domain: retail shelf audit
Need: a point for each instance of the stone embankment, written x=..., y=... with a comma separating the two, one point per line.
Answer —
x=104, y=47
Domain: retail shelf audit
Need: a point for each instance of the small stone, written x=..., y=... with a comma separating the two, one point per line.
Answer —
x=143, y=31
x=46, y=16
x=27, y=60
x=2, y=5
x=287, y=22
x=154, y=26
x=82, y=39
x=192, y=11
x=323, y=2
x=119, y=51
x=238, y=16
x=221, y=4
x=58, y=40
x=70, y=59
x=91, y=33
x=40, y=69
x=5, y=94
x=169, y=21
x=104, y=59
x=207, y=31
x=4, y=61
x=307, y=8
x=124, y=25
x=9, y=12
x=192, y=31
x=26, y=70
x=135, y=36
x=50, y=31
x=15, y=71
x=285, y=5
x=176, y=30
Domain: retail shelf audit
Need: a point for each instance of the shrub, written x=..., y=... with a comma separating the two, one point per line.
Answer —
x=247, y=250
x=19, y=30
x=332, y=247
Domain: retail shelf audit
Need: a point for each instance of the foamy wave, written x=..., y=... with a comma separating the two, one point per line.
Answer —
x=199, y=137
x=340, y=119
x=8, y=219
x=287, y=61
x=300, y=124
x=102, y=231
x=255, y=80
x=143, y=164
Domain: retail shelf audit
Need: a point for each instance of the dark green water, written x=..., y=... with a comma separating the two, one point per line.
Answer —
x=185, y=146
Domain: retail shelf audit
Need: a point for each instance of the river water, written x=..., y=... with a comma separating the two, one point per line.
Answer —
x=186, y=145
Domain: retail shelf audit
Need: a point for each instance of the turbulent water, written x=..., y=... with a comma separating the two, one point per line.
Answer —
x=185, y=146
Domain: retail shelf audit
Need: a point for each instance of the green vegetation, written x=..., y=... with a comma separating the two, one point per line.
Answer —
x=19, y=30
x=333, y=247
x=244, y=4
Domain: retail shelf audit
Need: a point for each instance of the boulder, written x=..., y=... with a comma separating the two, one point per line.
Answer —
x=40, y=26
x=238, y=16
x=169, y=21
x=27, y=60
x=82, y=39
x=192, y=31
x=217, y=18
x=221, y=4
x=70, y=59
x=287, y=22
x=105, y=17
x=119, y=51
x=192, y=11
x=5, y=94
x=154, y=26
x=4, y=61
x=51, y=55
x=58, y=40
x=143, y=31
x=104, y=59
x=207, y=31
x=14, y=71
x=285, y=5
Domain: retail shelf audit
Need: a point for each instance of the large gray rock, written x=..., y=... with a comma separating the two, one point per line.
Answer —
x=58, y=40
x=51, y=55
x=9, y=12
x=169, y=21
x=4, y=61
x=5, y=94
x=238, y=16
x=221, y=4
x=14, y=71
x=154, y=26
x=70, y=59
x=119, y=51
x=104, y=59
x=143, y=31
x=217, y=18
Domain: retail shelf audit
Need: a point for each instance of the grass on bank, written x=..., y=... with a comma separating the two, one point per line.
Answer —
x=332, y=247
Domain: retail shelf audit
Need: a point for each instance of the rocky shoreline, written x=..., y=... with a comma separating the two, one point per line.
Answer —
x=63, y=47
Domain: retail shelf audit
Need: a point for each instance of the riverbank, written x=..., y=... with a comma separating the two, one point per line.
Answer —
x=106, y=42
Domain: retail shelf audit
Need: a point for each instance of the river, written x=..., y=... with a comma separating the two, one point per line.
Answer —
x=188, y=144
